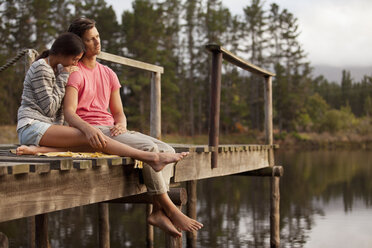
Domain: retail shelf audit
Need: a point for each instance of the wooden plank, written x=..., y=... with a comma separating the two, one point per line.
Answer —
x=130, y=62
x=233, y=59
x=197, y=165
x=82, y=164
x=32, y=195
x=23, y=168
x=56, y=163
x=115, y=161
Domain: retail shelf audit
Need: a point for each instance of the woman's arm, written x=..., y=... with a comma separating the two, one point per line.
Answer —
x=48, y=90
x=95, y=136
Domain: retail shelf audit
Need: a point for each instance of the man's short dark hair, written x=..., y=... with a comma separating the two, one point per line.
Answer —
x=80, y=25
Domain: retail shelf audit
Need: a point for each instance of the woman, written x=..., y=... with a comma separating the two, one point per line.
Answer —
x=40, y=115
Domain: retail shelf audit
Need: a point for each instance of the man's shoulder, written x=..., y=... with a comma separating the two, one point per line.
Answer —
x=104, y=68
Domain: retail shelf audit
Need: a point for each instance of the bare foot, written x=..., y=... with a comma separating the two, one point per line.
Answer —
x=184, y=222
x=27, y=150
x=166, y=158
x=159, y=219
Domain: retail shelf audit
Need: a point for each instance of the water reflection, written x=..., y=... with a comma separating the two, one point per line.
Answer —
x=326, y=199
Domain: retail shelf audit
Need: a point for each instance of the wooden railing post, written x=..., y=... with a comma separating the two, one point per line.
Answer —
x=155, y=131
x=215, y=96
x=274, y=183
x=155, y=114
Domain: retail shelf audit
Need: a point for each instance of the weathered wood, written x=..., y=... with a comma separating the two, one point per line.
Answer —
x=227, y=55
x=215, y=95
x=130, y=62
x=155, y=113
x=191, y=212
x=41, y=229
x=104, y=225
x=31, y=232
x=197, y=165
x=275, y=213
x=172, y=242
x=177, y=195
x=269, y=116
x=149, y=228
x=34, y=194
x=55, y=163
x=272, y=171
x=82, y=164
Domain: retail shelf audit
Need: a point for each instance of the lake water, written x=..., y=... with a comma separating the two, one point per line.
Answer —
x=326, y=201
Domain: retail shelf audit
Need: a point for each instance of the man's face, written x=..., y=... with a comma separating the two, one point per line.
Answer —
x=92, y=42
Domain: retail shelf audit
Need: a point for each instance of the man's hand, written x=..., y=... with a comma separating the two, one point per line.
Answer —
x=118, y=128
x=96, y=138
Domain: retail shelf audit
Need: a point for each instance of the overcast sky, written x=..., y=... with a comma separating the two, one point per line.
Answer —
x=333, y=32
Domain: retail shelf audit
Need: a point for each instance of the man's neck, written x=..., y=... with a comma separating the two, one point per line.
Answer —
x=90, y=61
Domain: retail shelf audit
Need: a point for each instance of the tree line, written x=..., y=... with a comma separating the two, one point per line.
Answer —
x=173, y=34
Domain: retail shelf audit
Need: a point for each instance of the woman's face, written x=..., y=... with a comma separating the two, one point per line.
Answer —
x=71, y=60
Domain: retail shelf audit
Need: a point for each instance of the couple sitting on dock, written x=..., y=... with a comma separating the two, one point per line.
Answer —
x=69, y=73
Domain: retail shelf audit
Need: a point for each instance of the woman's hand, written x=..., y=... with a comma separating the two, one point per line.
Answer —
x=118, y=128
x=95, y=137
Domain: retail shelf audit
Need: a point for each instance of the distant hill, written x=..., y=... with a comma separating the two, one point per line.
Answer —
x=334, y=74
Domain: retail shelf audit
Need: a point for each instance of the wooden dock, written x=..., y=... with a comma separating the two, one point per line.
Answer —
x=31, y=187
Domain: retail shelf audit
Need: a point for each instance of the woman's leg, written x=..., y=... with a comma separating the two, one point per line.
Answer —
x=63, y=138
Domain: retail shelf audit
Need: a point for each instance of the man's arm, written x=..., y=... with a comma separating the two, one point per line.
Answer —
x=116, y=108
x=95, y=136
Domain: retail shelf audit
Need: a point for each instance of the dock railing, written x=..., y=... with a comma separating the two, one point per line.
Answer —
x=218, y=54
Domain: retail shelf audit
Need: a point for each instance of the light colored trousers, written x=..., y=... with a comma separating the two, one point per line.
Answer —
x=156, y=182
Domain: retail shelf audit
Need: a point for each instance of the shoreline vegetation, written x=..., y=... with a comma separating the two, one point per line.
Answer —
x=285, y=140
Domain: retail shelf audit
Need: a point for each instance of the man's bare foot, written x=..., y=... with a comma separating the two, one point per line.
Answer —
x=159, y=219
x=27, y=150
x=184, y=222
x=166, y=158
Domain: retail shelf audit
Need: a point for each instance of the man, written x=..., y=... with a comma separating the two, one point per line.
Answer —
x=90, y=92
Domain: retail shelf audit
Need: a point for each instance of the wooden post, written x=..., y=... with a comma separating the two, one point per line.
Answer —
x=29, y=58
x=215, y=96
x=31, y=232
x=191, y=211
x=274, y=213
x=104, y=225
x=274, y=189
x=41, y=229
x=172, y=242
x=155, y=114
x=149, y=228
x=269, y=117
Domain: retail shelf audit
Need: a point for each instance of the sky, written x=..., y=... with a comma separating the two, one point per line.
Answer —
x=334, y=33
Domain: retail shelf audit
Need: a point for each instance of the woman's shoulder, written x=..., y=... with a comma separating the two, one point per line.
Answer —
x=41, y=66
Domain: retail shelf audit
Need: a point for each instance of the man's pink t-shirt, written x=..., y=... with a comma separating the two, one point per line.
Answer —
x=94, y=88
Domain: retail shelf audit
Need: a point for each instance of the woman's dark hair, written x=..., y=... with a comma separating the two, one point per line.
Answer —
x=67, y=44
x=80, y=25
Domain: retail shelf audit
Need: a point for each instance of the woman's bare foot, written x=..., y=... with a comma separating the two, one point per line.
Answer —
x=184, y=222
x=27, y=150
x=166, y=158
x=159, y=219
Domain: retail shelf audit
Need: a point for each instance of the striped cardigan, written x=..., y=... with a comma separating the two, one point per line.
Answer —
x=43, y=93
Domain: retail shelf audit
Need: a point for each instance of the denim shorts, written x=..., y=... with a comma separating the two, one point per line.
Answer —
x=31, y=134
